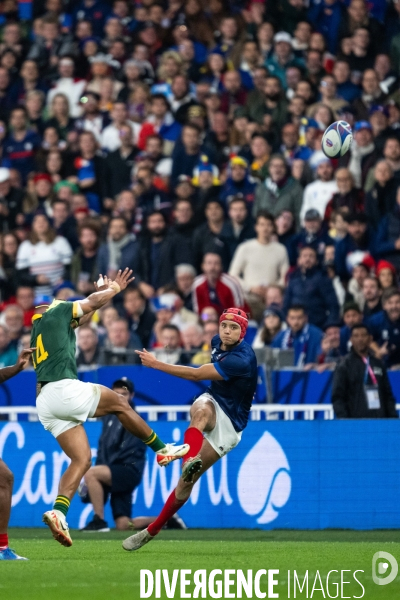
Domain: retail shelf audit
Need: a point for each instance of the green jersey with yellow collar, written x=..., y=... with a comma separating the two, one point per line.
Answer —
x=55, y=342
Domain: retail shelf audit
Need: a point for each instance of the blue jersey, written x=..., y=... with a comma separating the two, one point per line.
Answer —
x=235, y=392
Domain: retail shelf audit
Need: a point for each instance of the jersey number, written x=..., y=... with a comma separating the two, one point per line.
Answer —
x=41, y=353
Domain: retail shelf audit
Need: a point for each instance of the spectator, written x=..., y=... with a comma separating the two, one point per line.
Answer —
x=21, y=144
x=330, y=348
x=84, y=267
x=260, y=262
x=215, y=288
x=44, y=259
x=171, y=351
x=184, y=278
x=372, y=293
x=346, y=89
x=387, y=245
x=120, y=345
x=274, y=295
x=279, y=191
x=68, y=86
x=25, y=299
x=140, y=317
x=8, y=352
x=89, y=171
x=11, y=202
x=157, y=257
x=318, y=193
x=208, y=236
x=348, y=197
x=239, y=227
x=8, y=258
x=362, y=155
x=312, y=234
x=127, y=208
x=13, y=319
x=274, y=106
x=111, y=138
x=371, y=91
x=361, y=387
x=381, y=199
x=385, y=329
x=352, y=315
x=311, y=287
x=149, y=197
x=87, y=347
x=273, y=323
x=119, y=164
x=120, y=250
x=386, y=274
x=357, y=243
x=192, y=336
x=284, y=225
x=205, y=179
x=360, y=271
x=118, y=470
x=210, y=329
x=238, y=182
x=64, y=222
x=304, y=338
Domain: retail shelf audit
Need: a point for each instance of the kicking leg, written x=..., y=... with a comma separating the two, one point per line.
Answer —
x=175, y=501
x=202, y=418
x=113, y=403
x=76, y=446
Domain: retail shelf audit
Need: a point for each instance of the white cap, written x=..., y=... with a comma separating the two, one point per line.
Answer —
x=4, y=174
x=282, y=36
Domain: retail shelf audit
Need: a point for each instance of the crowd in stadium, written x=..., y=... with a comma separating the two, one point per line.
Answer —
x=182, y=139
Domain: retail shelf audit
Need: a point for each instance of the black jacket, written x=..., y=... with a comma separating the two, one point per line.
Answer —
x=118, y=172
x=169, y=256
x=231, y=240
x=119, y=447
x=348, y=398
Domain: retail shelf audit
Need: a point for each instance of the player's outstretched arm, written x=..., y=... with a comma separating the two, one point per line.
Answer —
x=23, y=360
x=205, y=372
x=100, y=298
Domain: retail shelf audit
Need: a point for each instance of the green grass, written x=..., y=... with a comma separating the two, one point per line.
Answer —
x=96, y=567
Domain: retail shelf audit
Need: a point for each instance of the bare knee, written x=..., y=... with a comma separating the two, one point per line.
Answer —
x=121, y=405
x=84, y=461
x=6, y=478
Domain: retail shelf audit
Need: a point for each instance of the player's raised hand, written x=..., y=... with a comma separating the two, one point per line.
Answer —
x=23, y=358
x=124, y=278
x=102, y=283
x=148, y=359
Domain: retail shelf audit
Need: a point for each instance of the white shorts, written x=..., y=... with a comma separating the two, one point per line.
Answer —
x=223, y=438
x=67, y=403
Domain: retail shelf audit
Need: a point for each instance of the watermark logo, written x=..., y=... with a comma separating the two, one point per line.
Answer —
x=264, y=483
x=381, y=574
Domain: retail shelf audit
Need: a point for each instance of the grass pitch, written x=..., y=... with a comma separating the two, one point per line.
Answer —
x=96, y=567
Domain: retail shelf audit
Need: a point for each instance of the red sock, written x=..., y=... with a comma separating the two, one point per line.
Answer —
x=194, y=438
x=3, y=540
x=171, y=506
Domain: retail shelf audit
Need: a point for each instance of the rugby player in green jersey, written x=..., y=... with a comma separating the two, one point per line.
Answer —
x=64, y=402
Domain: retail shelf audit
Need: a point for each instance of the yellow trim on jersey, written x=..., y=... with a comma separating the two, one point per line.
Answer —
x=35, y=317
x=76, y=310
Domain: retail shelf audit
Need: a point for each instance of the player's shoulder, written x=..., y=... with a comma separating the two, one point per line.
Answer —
x=243, y=352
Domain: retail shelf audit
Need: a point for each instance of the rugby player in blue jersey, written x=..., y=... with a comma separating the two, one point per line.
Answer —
x=218, y=416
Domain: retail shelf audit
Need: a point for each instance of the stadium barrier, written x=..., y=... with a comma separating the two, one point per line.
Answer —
x=287, y=475
x=154, y=389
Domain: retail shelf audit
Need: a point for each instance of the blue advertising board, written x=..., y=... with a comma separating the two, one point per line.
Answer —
x=297, y=475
